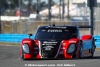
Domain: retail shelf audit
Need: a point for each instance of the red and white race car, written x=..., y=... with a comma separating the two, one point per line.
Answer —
x=57, y=42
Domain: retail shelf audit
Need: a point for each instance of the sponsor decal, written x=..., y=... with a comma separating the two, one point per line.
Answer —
x=49, y=43
x=48, y=47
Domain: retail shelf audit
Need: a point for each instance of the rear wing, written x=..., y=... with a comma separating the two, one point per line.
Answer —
x=91, y=28
x=85, y=26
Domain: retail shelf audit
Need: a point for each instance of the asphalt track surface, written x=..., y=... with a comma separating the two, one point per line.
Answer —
x=9, y=57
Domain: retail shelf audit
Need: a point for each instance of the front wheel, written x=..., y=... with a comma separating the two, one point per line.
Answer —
x=76, y=54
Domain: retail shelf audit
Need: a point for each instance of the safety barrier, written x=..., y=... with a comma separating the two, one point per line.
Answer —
x=16, y=38
x=97, y=42
x=13, y=38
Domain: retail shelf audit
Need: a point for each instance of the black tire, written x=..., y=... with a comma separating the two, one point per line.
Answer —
x=92, y=54
x=74, y=53
x=74, y=56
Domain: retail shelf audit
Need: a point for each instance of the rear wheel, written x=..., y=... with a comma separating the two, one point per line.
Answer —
x=93, y=49
x=91, y=53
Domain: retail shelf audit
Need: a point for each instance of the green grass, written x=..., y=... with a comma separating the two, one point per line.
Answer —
x=97, y=48
x=9, y=43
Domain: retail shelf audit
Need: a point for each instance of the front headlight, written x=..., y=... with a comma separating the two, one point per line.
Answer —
x=25, y=48
x=71, y=48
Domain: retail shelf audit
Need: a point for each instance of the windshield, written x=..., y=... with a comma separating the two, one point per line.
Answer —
x=55, y=35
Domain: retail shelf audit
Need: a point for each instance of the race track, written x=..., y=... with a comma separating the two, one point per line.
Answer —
x=9, y=57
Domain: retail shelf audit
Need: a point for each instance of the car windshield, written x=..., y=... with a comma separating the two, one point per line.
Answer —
x=55, y=35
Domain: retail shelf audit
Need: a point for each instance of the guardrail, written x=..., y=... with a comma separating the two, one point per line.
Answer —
x=13, y=38
x=97, y=42
x=16, y=38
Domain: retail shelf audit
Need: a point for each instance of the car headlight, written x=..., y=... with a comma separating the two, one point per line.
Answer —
x=25, y=48
x=71, y=48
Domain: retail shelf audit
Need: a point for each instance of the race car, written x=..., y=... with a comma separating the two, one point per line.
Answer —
x=57, y=42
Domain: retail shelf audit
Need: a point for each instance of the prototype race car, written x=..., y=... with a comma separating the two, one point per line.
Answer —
x=57, y=42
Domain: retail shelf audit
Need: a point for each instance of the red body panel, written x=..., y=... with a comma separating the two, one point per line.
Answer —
x=30, y=43
x=62, y=52
x=64, y=47
x=38, y=55
x=27, y=56
x=86, y=37
x=66, y=44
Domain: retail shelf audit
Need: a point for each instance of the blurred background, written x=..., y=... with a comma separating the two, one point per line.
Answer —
x=17, y=16
x=62, y=8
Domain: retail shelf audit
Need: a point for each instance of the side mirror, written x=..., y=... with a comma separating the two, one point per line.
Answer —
x=81, y=42
x=30, y=35
x=95, y=39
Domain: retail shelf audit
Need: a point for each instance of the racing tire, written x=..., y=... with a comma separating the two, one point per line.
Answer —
x=93, y=48
x=75, y=57
x=92, y=54
x=74, y=53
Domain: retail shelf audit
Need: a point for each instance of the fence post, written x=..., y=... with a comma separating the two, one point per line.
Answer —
x=0, y=18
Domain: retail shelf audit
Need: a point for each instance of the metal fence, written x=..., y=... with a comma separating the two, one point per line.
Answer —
x=24, y=27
